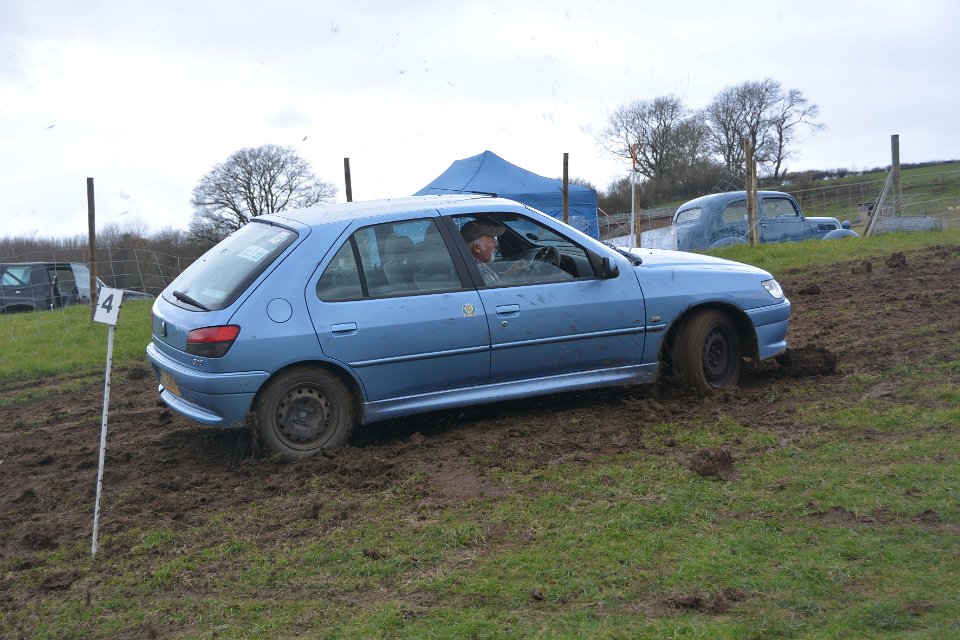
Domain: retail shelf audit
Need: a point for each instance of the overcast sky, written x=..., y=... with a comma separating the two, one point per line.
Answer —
x=145, y=97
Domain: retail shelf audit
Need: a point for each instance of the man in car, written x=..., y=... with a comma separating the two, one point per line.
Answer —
x=481, y=239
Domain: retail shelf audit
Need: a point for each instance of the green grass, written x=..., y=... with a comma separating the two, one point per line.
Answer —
x=601, y=549
x=65, y=342
x=809, y=256
x=929, y=190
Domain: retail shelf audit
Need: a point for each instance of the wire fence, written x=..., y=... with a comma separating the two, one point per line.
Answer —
x=930, y=199
x=59, y=317
x=617, y=225
x=134, y=268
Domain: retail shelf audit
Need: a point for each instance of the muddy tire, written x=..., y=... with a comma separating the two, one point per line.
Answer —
x=706, y=353
x=302, y=411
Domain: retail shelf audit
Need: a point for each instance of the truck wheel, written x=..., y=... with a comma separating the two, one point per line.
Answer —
x=302, y=411
x=706, y=352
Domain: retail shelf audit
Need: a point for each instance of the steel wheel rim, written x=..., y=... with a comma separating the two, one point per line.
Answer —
x=304, y=416
x=715, y=356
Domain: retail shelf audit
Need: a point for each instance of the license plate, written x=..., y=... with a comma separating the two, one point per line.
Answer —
x=169, y=383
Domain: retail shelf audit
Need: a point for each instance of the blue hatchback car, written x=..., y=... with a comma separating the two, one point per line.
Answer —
x=317, y=319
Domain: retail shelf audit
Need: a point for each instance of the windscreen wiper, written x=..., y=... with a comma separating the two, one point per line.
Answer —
x=181, y=296
x=635, y=259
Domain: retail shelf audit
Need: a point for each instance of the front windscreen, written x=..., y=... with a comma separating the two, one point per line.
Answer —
x=220, y=275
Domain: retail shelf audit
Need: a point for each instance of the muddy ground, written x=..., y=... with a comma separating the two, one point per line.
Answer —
x=163, y=470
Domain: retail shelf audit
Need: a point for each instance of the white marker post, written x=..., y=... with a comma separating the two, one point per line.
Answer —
x=108, y=310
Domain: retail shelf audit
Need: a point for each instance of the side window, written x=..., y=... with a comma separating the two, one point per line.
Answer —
x=688, y=216
x=433, y=266
x=16, y=276
x=374, y=250
x=341, y=279
x=65, y=280
x=779, y=208
x=735, y=212
x=395, y=259
x=512, y=250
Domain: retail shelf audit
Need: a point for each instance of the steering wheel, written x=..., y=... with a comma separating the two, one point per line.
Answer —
x=546, y=254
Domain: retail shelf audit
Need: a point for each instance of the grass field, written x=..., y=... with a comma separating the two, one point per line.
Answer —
x=842, y=518
x=926, y=191
x=63, y=341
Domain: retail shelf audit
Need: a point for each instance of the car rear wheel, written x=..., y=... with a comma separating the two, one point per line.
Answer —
x=302, y=411
x=707, y=353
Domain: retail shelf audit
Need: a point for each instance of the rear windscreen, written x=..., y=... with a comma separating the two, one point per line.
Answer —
x=224, y=272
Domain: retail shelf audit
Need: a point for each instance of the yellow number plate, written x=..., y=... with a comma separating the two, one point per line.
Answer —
x=169, y=383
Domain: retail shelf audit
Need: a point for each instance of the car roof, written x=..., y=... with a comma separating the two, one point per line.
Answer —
x=348, y=211
x=725, y=197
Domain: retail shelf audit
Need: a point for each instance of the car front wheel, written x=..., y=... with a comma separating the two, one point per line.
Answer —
x=707, y=353
x=302, y=411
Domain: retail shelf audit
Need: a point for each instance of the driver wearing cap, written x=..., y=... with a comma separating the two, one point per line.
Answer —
x=481, y=239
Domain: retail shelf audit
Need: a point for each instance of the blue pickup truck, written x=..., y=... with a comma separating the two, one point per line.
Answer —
x=720, y=219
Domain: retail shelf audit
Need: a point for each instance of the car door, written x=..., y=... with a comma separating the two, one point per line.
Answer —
x=780, y=220
x=391, y=305
x=548, y=321
x=724, y=226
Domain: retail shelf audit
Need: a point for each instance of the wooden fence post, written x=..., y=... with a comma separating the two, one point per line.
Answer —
x=895, y=168
x=92, y=242
x=346, y=177
x=750, y=186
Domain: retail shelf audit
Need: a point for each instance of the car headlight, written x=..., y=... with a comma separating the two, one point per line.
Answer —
x=773, y=288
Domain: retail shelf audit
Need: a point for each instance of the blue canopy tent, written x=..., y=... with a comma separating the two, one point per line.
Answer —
x=489, y=173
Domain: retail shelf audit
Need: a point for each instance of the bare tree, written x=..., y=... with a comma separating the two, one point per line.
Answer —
x=690, y=155
x=250, y=183
x=764, y=114
x=739, y=112
x=792, y=111
x=651, y=125
x=616, y=197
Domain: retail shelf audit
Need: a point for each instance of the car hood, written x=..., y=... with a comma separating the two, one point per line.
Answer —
x=666, y=259
x=824, y=224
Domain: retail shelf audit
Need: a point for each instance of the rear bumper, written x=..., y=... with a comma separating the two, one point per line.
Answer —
x=216, y=399
x=770, y=324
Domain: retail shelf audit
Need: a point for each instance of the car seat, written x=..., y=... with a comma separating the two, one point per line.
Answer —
x=434, y=267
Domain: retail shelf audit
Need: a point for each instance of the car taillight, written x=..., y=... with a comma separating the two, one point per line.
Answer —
x=212, y=342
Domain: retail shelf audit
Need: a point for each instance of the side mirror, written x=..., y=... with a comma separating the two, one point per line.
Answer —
x=609, y=268
x=845, y=224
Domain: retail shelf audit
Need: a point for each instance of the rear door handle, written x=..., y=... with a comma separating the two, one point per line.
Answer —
x=344, y=327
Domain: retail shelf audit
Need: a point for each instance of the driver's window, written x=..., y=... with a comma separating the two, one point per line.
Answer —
x=509, y=250
x=779, y=208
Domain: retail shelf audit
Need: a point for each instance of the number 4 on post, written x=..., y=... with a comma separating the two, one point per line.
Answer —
x=108, y=309
x=108, y=306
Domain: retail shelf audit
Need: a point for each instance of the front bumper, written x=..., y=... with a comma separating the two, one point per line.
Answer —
x=770, y=324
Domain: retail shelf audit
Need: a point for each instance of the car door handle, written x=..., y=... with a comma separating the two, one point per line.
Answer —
x=344, y=327
x=508, y=309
